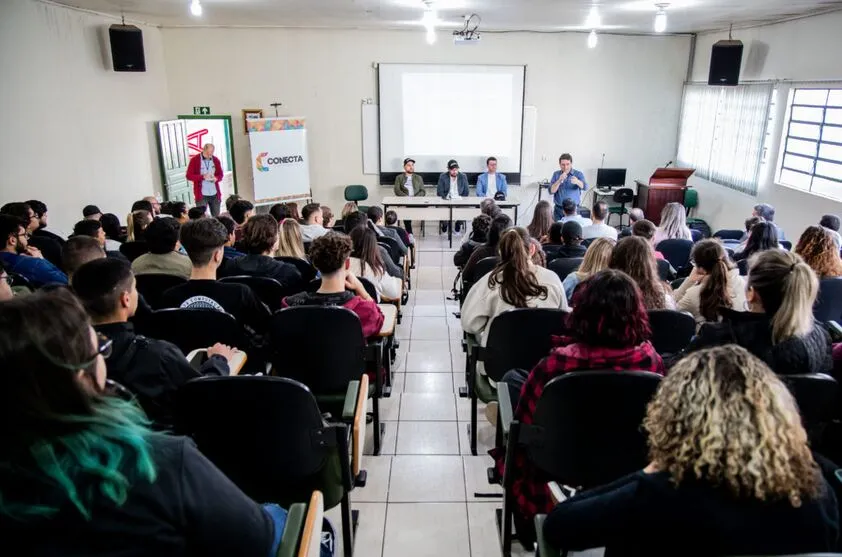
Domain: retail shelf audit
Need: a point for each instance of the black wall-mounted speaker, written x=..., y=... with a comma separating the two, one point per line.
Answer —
x=725, y=60
x=127, y=48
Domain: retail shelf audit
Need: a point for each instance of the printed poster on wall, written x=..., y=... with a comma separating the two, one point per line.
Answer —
x=280, y=163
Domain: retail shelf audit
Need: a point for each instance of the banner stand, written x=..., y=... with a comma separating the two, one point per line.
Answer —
x=280, y=159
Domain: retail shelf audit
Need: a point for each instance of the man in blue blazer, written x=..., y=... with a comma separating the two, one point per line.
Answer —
x=452, y=184
x=489, y=182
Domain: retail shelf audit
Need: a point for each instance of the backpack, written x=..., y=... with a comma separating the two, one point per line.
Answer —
x=701, y=226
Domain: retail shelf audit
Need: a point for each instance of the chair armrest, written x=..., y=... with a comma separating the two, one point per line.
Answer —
x=350, y=404
x=358, y=425
x=507, y=411
x=292, y=530
x=197, y=357
x=544, y=549
x=835, y=331
x=311, y=534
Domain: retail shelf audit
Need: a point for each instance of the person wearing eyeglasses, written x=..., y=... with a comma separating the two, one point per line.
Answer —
x=21, y=258
x=80, y=471
x=50, y=248
x=152, y=369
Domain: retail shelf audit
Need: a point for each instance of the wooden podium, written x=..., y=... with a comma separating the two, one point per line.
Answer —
x=667, y=185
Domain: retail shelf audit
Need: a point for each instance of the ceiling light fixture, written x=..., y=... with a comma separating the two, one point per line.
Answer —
x=593, y=20
x=592, y=39
x=196, y=8
x=661, y=18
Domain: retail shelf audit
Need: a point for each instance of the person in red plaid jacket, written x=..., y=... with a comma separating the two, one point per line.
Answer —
x=608, y=330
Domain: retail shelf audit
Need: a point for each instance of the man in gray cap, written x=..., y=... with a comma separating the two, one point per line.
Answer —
x=452, y=185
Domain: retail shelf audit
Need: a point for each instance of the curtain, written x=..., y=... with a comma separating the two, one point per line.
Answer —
x=722, y=133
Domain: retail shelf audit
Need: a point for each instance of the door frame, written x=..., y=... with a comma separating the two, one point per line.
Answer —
x=229, y=139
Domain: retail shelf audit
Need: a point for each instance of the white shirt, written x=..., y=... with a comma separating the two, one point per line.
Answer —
x=492, y=185
x=453, y=193
x=600, y=230
x=385, y=285
x=408, y=185
x=583, y=222
x=483, y=304
x=310, y=232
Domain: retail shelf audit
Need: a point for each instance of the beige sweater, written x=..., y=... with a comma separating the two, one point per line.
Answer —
x=483, y=304
x=171, y=263
x=688, y=295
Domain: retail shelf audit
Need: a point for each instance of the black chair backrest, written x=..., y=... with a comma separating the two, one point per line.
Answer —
x=520, y=338
x=563, y=266
x=742, y=265
x=19, y=280
x=624, y=195
x=370, y=289
x=588, y=242
x=265, y=433
x=307, y=247
x=816, y=395
x=268, y=290
x=321, y=346
x=786, y=244
x=828, y=306
x=190, y=329
x=404, y=235
x=392, y=247
x=671, y=330
x=589, y=423
x=665, y=270
x=485, y=266
x=729, y=234
x=696, y=235
x=676, y=251
x=307, y=271
x=133, y=250
x=154, y=285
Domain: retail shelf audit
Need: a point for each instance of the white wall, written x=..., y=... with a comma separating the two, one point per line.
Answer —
x=73, y=131
x=801, y=50
x=622, y=98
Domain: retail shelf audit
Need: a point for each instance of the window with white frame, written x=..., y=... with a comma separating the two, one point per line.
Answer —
x=723, y=131
x=811, y=144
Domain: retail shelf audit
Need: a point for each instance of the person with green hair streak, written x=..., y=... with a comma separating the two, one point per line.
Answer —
x=81, y=473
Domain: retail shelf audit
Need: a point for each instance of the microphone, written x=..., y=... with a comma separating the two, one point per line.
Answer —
x=669, y=163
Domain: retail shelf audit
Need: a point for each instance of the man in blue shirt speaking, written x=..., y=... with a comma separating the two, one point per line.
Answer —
x=566, y=183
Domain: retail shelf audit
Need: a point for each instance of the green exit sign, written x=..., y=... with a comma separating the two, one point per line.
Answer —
x=201, y=110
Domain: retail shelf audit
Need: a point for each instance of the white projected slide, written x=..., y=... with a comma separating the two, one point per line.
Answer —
x=433, y=113
x=436, y=105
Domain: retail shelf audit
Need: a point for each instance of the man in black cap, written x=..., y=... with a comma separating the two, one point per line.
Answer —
x=91, y=212
x=452, y=185
x=409, y=184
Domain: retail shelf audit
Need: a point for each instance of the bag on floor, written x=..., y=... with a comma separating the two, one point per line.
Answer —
x=701, y=226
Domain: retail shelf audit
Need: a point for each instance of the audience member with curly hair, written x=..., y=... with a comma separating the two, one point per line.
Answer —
x=818, y=250
x=731, y=473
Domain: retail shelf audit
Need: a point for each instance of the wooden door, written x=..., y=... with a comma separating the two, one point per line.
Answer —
x=173, y=158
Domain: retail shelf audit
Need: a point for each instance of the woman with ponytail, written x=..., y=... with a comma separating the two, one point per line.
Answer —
x=516, y=282
x=714, y=284
x=136, y=224
x=778, y=327
x=81, y=473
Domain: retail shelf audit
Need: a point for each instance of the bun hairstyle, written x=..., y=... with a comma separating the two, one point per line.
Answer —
x=517, y=280
x=710, y=256
x=787, y=288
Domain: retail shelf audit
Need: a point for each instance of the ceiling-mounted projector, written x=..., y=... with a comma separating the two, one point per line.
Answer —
x=468, y=34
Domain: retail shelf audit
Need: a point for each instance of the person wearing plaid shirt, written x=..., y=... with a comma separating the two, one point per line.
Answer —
x=608, y=330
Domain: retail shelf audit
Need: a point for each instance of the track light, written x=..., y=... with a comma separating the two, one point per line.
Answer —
x=196, y=8
x=593, y=20
x=661, y=18
x=592, y=39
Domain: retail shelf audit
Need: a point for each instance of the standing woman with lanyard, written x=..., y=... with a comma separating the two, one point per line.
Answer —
x=409, y=184
x=566, y=183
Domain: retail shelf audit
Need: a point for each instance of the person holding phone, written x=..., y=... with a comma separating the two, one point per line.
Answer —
x=566, y=183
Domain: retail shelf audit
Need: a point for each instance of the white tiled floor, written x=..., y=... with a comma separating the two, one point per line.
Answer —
x=419, y=500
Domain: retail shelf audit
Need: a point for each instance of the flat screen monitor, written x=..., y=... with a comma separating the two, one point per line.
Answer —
x=610, y=177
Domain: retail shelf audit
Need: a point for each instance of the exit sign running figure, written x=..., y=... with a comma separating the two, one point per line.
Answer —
x=201, y=110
